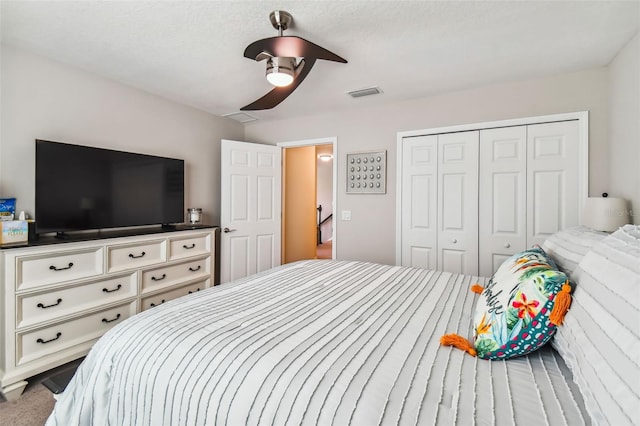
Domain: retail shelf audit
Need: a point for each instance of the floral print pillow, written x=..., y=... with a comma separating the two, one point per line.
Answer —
x=512, y=312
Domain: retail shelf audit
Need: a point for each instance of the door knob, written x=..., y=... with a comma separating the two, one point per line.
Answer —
x=454, y=241
x=227, y=230
x=507, y=245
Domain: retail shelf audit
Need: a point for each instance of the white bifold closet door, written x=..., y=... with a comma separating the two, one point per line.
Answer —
x=440, y=202
x=552, y=179
x=471, y=199
x=458, y=202
x=503, y=195
x=528, y=187
x=420, y=201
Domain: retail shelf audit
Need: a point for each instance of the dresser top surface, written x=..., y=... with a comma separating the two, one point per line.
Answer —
x=103, y=234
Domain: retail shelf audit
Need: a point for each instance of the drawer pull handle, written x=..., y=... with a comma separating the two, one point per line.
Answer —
x=40, y=305
x=195, y=269
x=133, y=256
x=153, y=304
x=159, y=279
x=53, y=268
x=197, y=289
x=50, y=340
x=186, y=247
x=104, y=320
x=111, y=291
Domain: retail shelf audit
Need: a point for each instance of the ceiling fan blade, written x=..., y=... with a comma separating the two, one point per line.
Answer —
x=290, y=47
x=279, y=94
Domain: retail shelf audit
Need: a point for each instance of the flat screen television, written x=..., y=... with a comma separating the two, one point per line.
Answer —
x=87, y=188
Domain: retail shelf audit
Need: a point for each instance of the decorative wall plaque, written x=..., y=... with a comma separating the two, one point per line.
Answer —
x=367, y=172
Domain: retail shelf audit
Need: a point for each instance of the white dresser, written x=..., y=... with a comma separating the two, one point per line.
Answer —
x=58, y=299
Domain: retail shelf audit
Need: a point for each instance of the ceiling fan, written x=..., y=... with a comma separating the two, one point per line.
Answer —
x=289, y=60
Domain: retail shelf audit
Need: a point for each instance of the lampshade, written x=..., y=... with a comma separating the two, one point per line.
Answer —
x=280, y=71
x=605, y=214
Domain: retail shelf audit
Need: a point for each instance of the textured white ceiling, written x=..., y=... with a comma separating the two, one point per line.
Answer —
x=191, y=51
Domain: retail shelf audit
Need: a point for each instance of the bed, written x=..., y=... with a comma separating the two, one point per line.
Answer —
x=343, y=342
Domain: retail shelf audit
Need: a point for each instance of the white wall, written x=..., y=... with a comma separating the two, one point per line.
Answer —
x=44, y=99
x=624, y=124
x=48, y=100
x=370, y=235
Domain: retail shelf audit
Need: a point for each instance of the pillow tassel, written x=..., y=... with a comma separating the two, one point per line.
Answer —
x=477, y=288
x=561, y=305
x=459, y=342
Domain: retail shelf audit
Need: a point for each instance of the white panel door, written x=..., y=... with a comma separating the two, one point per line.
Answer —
x=419, y=201
x=250, y=208
x=552, y=179
x=503, y=200
x=458, y=202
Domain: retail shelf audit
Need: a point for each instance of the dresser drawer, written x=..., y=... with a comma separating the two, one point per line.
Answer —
x=180, y=248
x=45, y=341
x=130, y=256
x=36, y=308
x=167, y=276
x=159, y=299
x=40, y=270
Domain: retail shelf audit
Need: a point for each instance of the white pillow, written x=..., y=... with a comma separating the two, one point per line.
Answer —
x=600, y=337
x=568, y=247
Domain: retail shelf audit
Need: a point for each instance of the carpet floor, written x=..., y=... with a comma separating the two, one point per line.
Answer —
x=36, y=403
x=323, y=251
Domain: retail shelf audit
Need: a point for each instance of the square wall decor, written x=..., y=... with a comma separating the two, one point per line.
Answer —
x=367, y=172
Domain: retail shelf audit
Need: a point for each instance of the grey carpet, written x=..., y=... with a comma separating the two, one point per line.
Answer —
x=36, y=403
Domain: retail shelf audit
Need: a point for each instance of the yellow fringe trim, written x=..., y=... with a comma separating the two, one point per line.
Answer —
x=458, y=342
x=477, y=288
x=561, y=305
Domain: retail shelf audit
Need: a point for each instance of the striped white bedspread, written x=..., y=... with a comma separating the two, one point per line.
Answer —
x=314, y=342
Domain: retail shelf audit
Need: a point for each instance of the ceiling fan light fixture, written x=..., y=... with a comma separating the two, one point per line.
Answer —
x=280, y=71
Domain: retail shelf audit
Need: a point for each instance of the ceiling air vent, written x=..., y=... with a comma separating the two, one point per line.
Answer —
x=364, y=92
x=240, y=117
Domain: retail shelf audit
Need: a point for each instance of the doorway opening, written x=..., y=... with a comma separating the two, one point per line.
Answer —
x=308, y=199
x=324, y=201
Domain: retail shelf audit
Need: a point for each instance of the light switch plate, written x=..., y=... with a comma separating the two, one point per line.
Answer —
x=346, y=214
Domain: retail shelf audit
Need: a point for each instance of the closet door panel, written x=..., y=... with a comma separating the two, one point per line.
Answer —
x=458, y=202
x=419, y=201
x=502, y=202
x=552, y=179
x=453, y=260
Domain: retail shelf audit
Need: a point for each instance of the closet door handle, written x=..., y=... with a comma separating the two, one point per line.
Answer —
x=227, y=230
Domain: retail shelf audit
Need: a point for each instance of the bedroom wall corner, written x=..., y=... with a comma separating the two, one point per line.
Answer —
x=43, y=98
x=624, y=125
